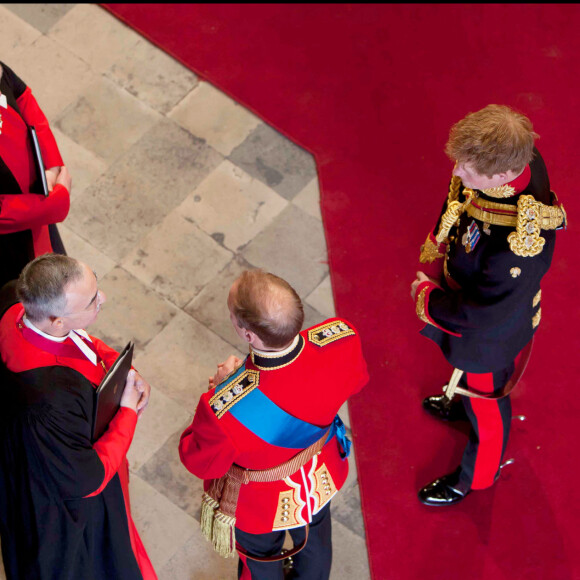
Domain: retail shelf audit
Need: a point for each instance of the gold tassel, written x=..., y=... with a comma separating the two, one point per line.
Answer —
x=224, y=535
x=208, y=507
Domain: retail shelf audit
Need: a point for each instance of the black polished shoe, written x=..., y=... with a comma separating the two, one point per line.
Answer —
x=446, y=490
x=441, y=407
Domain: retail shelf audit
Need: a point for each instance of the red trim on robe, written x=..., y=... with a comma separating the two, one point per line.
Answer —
x=34, y=116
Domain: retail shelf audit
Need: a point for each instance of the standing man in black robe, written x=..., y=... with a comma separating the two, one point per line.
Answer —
x=479, y=291
x=27, y=218
x=64, y=503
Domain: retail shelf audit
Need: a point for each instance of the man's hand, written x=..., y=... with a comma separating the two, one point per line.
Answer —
x=64, y=178
x=145, y=389
x=131, y=394
x=421, y=277
x=224, y=369
x=51, y=175
x=136, y=393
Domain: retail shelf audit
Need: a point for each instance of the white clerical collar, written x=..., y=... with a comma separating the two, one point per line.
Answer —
x=277, y=353
x=73, y=335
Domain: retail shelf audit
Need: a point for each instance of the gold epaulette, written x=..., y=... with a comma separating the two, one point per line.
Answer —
x=232, y=390
x=551, y=217
x=328, y=332
x=429, y=252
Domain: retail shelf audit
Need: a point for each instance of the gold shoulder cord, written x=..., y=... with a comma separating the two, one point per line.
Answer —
x=454, y=208
x=526, y=240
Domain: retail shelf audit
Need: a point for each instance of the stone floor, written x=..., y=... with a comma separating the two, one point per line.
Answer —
x=176, y=189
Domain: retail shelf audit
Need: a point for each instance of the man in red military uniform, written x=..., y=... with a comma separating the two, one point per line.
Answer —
x=27, y=218
x=480, y=297
x=267, y=438
x=64, y=502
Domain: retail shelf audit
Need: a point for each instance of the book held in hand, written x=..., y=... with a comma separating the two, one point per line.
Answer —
x=108, y=394
x=38, y=161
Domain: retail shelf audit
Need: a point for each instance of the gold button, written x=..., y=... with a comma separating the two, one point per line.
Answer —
x=285, y=513
x=284, y=519
x=285, y=500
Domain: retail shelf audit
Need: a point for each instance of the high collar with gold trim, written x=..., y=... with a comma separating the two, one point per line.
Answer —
x=514, y=187
x=268, y=361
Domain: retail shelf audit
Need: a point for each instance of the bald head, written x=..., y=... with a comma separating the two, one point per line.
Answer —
x=268, y=306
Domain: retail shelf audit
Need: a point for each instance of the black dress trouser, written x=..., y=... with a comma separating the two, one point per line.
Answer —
x=313, y=562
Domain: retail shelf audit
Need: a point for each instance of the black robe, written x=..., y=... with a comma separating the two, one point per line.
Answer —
x=48, y=465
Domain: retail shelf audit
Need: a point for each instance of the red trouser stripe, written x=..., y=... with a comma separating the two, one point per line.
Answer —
x=246, y=574
x=489, y=429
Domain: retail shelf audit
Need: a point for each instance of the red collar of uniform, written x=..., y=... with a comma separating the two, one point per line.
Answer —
x=67, y=348
x=521, y=181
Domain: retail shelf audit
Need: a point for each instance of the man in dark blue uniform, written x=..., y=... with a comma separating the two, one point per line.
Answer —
x=479, y=293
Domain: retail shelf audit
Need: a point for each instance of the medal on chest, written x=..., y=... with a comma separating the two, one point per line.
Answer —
x=471, y=237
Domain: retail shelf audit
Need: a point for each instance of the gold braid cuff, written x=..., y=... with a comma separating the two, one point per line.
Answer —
x=421, y=306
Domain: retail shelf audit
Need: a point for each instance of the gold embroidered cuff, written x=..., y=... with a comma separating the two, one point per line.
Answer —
x=420, y=306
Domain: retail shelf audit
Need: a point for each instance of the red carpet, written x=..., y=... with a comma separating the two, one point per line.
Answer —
x=371, y=91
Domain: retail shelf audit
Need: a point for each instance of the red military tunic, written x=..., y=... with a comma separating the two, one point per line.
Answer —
x=310, y=380
x=64, y=503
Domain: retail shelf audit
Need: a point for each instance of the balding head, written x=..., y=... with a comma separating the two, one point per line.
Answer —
x=267, y=306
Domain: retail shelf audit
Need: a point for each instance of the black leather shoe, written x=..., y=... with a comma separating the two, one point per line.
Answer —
x=441, y=407
x=446, y=490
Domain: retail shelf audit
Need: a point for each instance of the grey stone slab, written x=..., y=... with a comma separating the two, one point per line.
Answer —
x=311, y=316
x=251, y=205
x=141, y=188
x=84, y=251
x=197, y=560
x=162, y=418
x=181, y=358
x=309, y=199
x=152, y=76
x=213, y=116
x=292, y=247
x=322, y=299
x=84, y=166
x=15, y=35
x=132, y=312
x=162, y=526
x=177, y=259
x=347, y=510
x=268, y=156
x=40, y=63
x=210, y=306
x=349, y=554
x=41, y=16
x=165, y=472
x=106, y=119
x=95, y=35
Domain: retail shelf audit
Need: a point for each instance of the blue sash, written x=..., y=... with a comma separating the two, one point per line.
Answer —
x=275, y=426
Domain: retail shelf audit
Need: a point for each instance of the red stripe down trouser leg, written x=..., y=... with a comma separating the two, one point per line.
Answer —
x=490, y=426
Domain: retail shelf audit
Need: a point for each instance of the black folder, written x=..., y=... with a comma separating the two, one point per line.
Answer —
x=109, y=392
x=38, y=162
